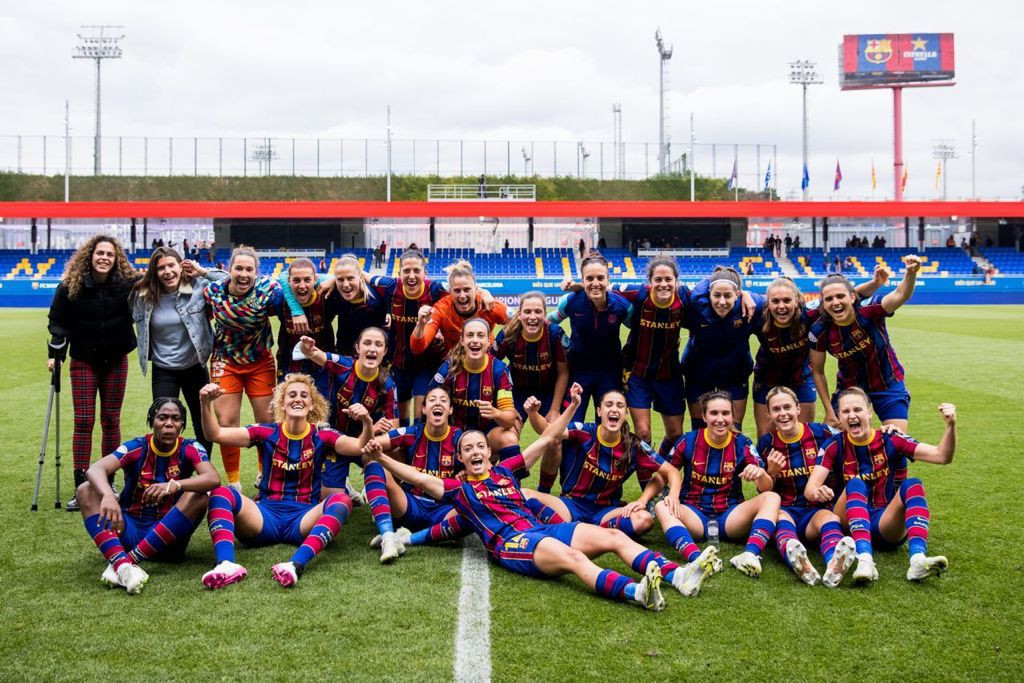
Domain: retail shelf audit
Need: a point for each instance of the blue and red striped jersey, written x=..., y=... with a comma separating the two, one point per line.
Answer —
x=862, y=347
x=144, y=464
x=594, y=343
x=719, y=347
x=710, y=471
x=404, y=308
x=784, y=355
x=354, y=317
x=494, y=505
x=320, y=314
x=348, y=387
x=491, y=384
x=533, y=363
x=594, y=470
x=801, y=457
x=433, y=455
x=291, y=463
x=881, y=461
x=652, y=348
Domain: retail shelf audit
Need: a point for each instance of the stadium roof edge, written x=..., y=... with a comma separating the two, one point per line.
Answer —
x=597, y=209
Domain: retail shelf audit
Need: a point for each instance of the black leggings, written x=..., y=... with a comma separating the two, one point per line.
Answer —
x=189, y=381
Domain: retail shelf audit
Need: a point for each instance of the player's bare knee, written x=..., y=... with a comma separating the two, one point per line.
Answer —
x=194, y=504
x=770, y=500
x=642, y=522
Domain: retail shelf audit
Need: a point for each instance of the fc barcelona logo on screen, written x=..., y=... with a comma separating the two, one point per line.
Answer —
x=878, y=51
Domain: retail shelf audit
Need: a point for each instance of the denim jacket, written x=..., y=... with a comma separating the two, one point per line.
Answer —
x=192, y=309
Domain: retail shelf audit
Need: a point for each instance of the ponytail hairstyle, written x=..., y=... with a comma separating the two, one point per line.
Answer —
x=353, y=260
x=244, y=250
x=458, y=354
x=301, y=262
x=713, y=395
x=726, y=274
x=461, y=268
x=775, y=391
x=413, y=253
x=384, y=368
x=836, y=279
x=463, y=435
x=661, y=261
x=854, y=391
x=626, y=435
x=594, y=257
x=798, y=322
x=514, y=328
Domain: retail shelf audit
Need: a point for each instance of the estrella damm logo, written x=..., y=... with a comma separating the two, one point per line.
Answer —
x=878, y=51
x=728, y=466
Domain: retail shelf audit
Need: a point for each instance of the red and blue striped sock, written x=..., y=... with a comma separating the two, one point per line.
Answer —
x=917, y=516
x=623, y=523
x=682, y=541
x=547, y=480
x=643, y=559
x=544, y=513
x=225, y=503
x=614, y=585
x=336, y=510
x=857, y=517
x=760, y=533
x=376, y=490
x=448, y=529
x=831, y=534
x=175, y=526
x=107, y=541
x=785, y=532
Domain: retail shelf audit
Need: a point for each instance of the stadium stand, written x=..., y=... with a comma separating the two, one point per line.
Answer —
x=1005, y=259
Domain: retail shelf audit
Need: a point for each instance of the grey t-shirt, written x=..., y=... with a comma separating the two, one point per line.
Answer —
x=170, y=345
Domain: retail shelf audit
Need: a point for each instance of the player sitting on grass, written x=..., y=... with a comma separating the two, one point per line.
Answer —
x=292, y=452
x=491, y=500
x=880, y=504
x=161, y=503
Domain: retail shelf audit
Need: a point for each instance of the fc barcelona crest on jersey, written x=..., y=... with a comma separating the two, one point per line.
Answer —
x=878, y=458
x=486, y=391
x=857, y=333
x=728, y=466
x=447, y=460
x=737, y=323
x=173, y=472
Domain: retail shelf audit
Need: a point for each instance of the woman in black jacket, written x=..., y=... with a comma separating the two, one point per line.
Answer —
x=90, y=310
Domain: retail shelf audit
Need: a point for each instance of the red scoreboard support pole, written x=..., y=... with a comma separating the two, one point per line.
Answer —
x=897, y=143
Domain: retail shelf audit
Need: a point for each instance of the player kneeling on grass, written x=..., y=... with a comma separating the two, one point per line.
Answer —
x=491, y=500
x=880, y=504
x=292, y=452
x=161, y=503
x=715, y=461
x=790, y=450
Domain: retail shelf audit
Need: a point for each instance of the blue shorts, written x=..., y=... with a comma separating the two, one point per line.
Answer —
x=891, y=404
x=516, y=554
x=705, y=515
x=595, y=383
x=697, y=387
x=334, y=475
x=585, y=511
x=877, y=540
x=665, y=394
x=136, y=528
x=282, y=521
x=805, y=393
x=422, y=513
x=802, y=516
x=519, y=398
x=411, y=382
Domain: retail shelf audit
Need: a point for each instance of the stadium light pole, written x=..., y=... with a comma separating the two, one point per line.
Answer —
x=389, y=154
x=802, y=73
x=689, y=157
x=526, y=163
x=974, y=156
x=664, y=54
x=943, y=150
x=97, y=44
x=67, y=151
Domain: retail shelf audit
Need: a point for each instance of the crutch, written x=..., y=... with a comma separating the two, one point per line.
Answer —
x=58, y=350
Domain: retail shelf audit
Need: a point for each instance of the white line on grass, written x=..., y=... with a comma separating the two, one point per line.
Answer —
x=473, y=635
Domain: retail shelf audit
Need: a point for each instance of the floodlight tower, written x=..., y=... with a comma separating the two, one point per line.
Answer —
x=665, y=54
x=99, y=43
x=802, y=73
x=620, y=163
x=943, y=150
x=526, y=163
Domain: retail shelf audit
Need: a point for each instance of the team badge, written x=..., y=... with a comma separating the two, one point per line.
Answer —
x=173, y=471
x=878, y=458
x=857, y=333
x=878, y=51
x=486, y=391
x=737, y=323
x=544, y=356
x=728, y=466
x=447, y=460
x=613, y=319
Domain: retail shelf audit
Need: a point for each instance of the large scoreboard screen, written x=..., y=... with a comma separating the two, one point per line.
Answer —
x=887, y=59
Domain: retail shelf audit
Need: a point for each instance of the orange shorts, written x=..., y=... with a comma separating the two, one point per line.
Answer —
x=255, y=379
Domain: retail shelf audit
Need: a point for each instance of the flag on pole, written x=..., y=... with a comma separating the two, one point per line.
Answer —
x=768, y=177
x=839, y=177
x=733, y=181
x=938, y=173
x=874, y=178
x=903, y=183
x=805, y=182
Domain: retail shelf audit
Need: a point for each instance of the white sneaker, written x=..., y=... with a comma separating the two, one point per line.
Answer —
x=796, y=553
x=648, y=591
x=285, y=573
x=224, y=574
x=689, y=578
x=866, y=570
x=748, y=563
x=390, y=548
x=403, y=535
x=842, y=558
x=109, y=578
x=922, y=567
x=358, y=497
x=132, y=577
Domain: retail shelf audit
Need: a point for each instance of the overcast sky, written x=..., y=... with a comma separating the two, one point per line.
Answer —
x=527, y=71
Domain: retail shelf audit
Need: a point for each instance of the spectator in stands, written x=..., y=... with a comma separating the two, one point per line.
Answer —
x=160, y=242
x=789, y=242
x=506, y=243
x=748, y=268
x=482, y=186
x=173, y=330
x=90, y=311
x=837, y=265
x=646, y=244
x=881, y=241
x=602, y=243
x=184, y=248
x=950, y=241
x=796, y=242
x=376, y=256
x=848, y=264
x=154, y=245
x=582, y=247
x=194, y=253
x=975, y=270
x=989, y=242
x=323, y=265
x=212, y=253
x=778, y=246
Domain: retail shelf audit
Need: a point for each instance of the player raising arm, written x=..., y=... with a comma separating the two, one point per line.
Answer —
x=880, y=504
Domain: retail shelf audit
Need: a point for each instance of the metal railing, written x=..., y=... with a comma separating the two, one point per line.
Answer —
x=481, y=192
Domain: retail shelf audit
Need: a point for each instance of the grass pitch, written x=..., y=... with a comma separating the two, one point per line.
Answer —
x=350, y=617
